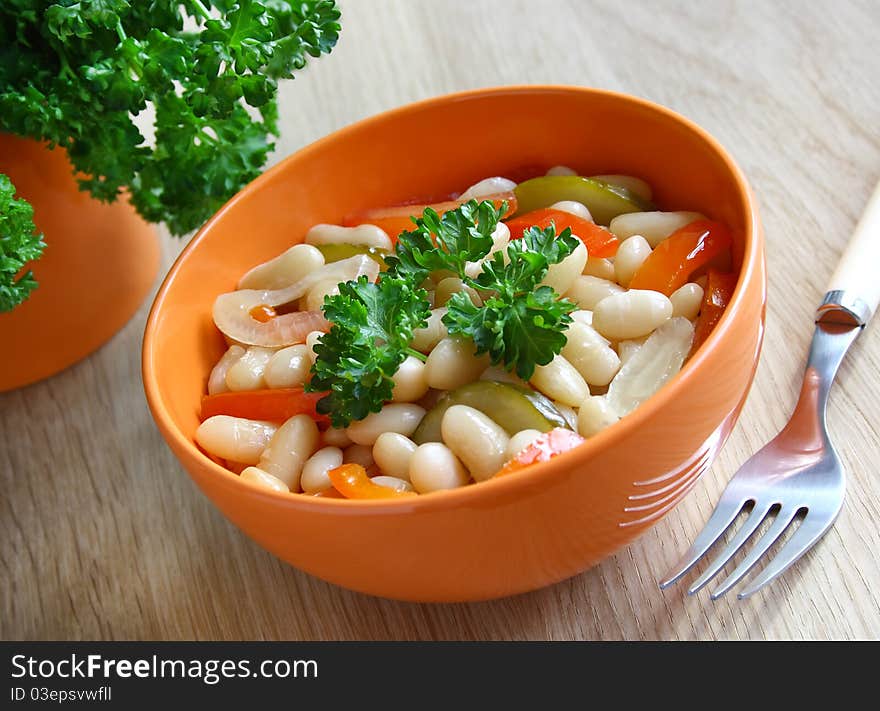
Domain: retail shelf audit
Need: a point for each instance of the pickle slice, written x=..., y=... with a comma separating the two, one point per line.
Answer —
x=605, y=201
x=339, y=251
x=512, y=407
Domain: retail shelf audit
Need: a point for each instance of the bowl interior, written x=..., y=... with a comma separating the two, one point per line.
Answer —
x=423, y=150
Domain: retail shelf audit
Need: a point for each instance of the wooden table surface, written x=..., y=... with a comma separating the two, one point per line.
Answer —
x=105, y=537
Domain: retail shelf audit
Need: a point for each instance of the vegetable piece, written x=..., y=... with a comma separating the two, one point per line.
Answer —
x=352, y=482
x=277, y=405
x=598, y=240
x=512, y=407
x=520, y=323
x=716, y=297
x=76, y=73
x=336, y=252
x=397, y=219
x=652, y=365
x=603, y=200
x=239, y=316
x=543, y=449
x=687, y=249
x=18, y=245
x=372, y=326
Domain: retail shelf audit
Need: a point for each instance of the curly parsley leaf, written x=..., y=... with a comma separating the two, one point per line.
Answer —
x=449, y=242
x=75, y=73
x=521, y=323
x=19, y=244
x=373, y=325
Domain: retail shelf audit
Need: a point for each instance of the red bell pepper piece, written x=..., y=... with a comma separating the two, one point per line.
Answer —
x=716, y=297
x=352, y=482
x=543, y=449
x=277, y=405
x=687, y=249
x=598, y=240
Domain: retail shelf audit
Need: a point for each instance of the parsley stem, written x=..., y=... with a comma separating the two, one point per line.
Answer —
x=201, y=10
x=415, y=354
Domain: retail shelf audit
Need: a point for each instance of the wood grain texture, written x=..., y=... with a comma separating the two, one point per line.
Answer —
x=105, y=537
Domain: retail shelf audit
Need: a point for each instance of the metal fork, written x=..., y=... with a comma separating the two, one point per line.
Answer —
x=797, y=475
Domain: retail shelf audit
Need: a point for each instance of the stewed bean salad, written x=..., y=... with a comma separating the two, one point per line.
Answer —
x=417, y=348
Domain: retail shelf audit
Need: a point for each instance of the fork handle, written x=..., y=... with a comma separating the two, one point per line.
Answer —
x=854, y=290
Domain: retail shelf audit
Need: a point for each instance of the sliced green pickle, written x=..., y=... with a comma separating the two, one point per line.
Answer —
x=512, y=407
x=339, y=251
x=604, y=200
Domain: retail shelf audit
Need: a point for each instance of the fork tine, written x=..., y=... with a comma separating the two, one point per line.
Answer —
x=756, y=516
x=780, y=523
x=718, y=523
x=804, y=538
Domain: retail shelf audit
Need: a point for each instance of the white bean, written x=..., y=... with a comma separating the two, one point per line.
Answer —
x=359, y=454
x=632, y=314
x=453, y=363
x=314, y=473
x=520, y=441
x=333, y=437
x=573, y=207
x=402, y=418
x=433, y=466
x=235, y=438
x=590, y=354
x=217, y=379
x=426, y=339
x=587, y=291
x=289, y=367
x=247, y=372
x=294, y=442
x=653, y=226
x=583, y=316
x=559, y=380
x=600, y=267
x=475, y=439
x=392, y=452
x=365, y=235
x=687, y=300
x=561, y=170
x=410, y=381
x=264, y=479
x=488, y=186
x=595, y=415
x=392, y=482
x=314, y=300
x=630, y=255
x=285, y=269
x=500, y=240
x=636, y=186
x=451, y=285
x=561, y=276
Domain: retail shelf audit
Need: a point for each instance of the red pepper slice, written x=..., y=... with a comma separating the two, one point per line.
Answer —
x=599, y=241
x=716, y=297
x=277, y=405
x=398, y=218
x=352, y=482
x=687, y=249
x=543, y=449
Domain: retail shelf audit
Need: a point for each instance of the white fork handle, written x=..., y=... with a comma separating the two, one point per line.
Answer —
x=856, y=277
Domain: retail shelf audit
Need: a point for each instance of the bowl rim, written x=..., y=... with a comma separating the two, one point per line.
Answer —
x=494, y=488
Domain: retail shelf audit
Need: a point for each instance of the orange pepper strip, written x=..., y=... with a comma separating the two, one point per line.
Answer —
x=719, y=289
x=543, y=449
x=276, y=405
x=352, y=482
x=687, y=249
x=598, y=240
x=398, y=218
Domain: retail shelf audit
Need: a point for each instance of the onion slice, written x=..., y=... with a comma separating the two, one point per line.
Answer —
x=232, y=311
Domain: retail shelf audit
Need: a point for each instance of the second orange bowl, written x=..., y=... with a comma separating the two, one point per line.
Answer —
x=515, y=533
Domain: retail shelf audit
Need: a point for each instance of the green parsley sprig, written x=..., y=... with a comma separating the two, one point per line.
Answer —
x=520, y=323
x=75, y=73
x=19, y=244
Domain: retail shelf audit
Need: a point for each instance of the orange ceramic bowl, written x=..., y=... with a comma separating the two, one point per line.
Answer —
x=534, y=527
